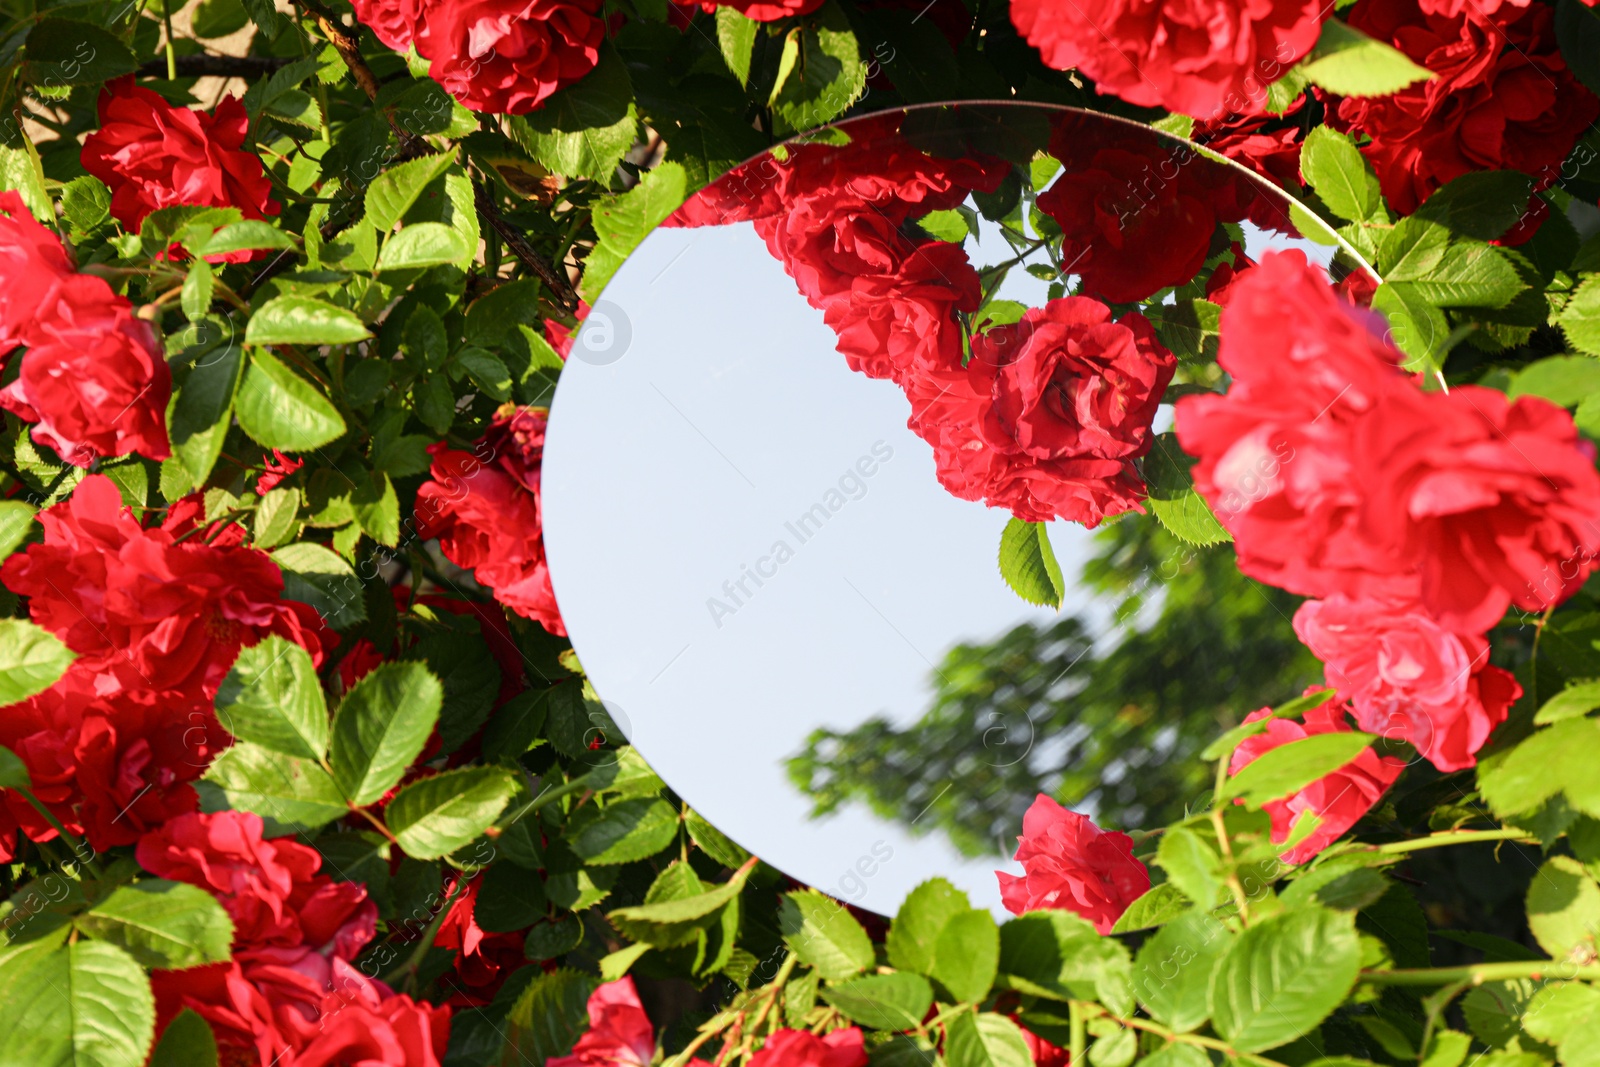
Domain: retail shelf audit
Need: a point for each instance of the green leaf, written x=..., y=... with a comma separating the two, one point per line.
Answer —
x=1172, y=972
x=919, y=922
x=392, y=193
x=985, y=1039
x=883, y=1001
x=955, y=225
x=736, y=35
x=583, y=130
x=822, y=933
x=16, y=521
x=1564, y=909
x=1341, y=176
x=1115, y=1049
x=1059, y=955
x=1224, y=745
x=828, y=76
x=1348, y=62
x=31, y=660
x=1192, y=865
x=69, y=52
x=966, y=955
x=676, y=906
x=295, y=794
x=487, y=371
x=381, y=727
x=1289, y=768
x=1028, y=564
x=509, y=898
x=621, y=222
x=243, y=235
x=1563, y=380
x=1558, y=1007
x=494, y=316
x=1580, y=318
x=282, y=410
x=85, y=1004
x=202, y=411
x=1283, y=976
x=1578, y=698
x=1481, y=204
x=423, y=244
x=166, y=925
x=624, y=831
x=187, y=1041
x=1413, y=250
x=377, y=508
x=1160, y=904
x=218, y=18
x=273, y=698
x=13, y=772
x=435, y=816
x=1556, y=759
x=1417, y=327
x=274, y=520
x=1471, y=274
x=1173, y=499
x=86, y=201
x=303, y=320
x=547, y=1018
x=316, y=576
x=1176, y=1055
x=471, y=679
x=22, y=171
x=1578, y=34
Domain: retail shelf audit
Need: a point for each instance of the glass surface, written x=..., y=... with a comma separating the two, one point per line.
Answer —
x=799, y=627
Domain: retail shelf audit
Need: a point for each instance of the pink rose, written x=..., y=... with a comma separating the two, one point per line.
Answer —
x=1071, y=863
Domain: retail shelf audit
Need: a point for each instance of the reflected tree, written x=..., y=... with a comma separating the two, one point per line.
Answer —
x=1106, y=722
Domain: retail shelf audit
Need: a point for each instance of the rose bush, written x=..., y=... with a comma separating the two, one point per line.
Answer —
x=298, y=767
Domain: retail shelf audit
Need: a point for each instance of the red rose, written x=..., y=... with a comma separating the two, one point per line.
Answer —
x=1503, y=98
x=275, y=470
x=798, y=1048
x=1072, y=864
x=1199, y=57
x=1068, y=382
x=1270, y=146
x=484, y=509
x=1407, y=677
x=1490, y=502
x=392, y=1031
x=153, y=155
x=1133, y=218
x=948, y=412
x=483, y=960
x=394, y=22
x=142, y=612
x=508, y=56
x=94, y=380
x=1276, y=459
x=758, y=11
x=620, y=1033
x=1339, y=799
x=31, y=261
x=560, y=335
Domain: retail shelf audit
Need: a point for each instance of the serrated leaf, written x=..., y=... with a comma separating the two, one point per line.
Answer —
x=1341, y=176
x=1471, y=274
x=621, y=222
x=1578, y=698
x=242, y=236
x=547, y=1018
x=1580, y=318
x=883, y=1001
x=303, y=320
x=822, y=933
x=272, y=697
x=381, y=727
x=1481, y=204
x=316, y=576
x=985, y=1039
x=187, y=1041
x=86, y=1004
x=1348, y=62
x=1173, y=499
x=1172, y=972
x=1416, y=327
x=966, y=955
x=736, y=36
x=583, y=131
x=281, y=410
x=165, y=925
x=1564, y=909
x=31, y=660
x=1028, y=564
x=1577, y=29
x=392, y=193
x=1284, y=975
x=921, y=918
x=1158, y=905
x=1192, y=865
x=435, y=816
x=377, y=508
x=623, y=831
x=1287, y=769
x=202, y=411
x=423, y=244
x=1556, y=759
x=69, y=52
x=828, y=76
x=295, y=794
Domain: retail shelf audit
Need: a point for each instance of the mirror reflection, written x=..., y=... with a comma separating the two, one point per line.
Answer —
x=871, y=439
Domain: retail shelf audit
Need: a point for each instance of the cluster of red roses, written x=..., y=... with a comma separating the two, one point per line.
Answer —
x=1416, y=519
x=293, y=993
x=1048, y=415
x=156, y=617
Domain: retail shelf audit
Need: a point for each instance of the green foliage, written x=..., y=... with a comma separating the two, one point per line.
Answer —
x=1028, y=564
x=31, y=659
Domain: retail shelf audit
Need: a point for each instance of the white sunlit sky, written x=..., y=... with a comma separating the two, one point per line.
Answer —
x=671, y=470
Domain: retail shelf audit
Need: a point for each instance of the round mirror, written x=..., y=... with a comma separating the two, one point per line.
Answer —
x=860, y=503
